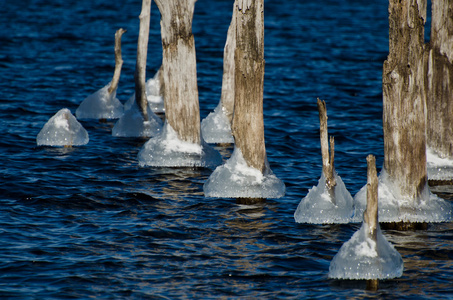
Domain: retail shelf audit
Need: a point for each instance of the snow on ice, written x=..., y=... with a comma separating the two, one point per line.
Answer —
x=363, y=258
x=62, y=130
x=100, y=105
x=235, y=179
x=318, y=207
x=438, y=168
x=167, y=150
x=216, y=127
x=153, y=96
x=393, y=207
x=132, y=124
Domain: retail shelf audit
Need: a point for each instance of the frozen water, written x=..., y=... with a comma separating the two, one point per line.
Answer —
x=363, y=258
x=216, y=127
x=438, y=168
x=393, y=207
x=100, y=105
x=153, y=96
x=132, y=124
x=168, y=150
x=318, y=206
x=62, y=130
x=235, y=179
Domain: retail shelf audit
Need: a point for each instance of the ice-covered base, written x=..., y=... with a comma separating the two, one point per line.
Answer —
x=132, y=124
x=100, y=105
x=167, y=150
x=438, y=168
x=393, y=207
x=216, y=127
x=235, y=179
x=62, y=130
x=318, y=206
x=155, y=100
x=363, y=258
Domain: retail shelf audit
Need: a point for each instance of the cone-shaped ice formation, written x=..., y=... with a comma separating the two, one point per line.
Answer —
x=168, y=150
x=438, y=168
x=393, y=207
x=153, y=95
x=100, y=105
x=132, y=124
x=62, y=130
x=363, y=258
x=318, y=207
x=216, y=127
x=368, y=255
x=235, y=179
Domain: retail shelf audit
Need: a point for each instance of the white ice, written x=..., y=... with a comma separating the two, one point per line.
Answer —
x=216, y=127
x=153, y=96
x=438, y=168
x=393, y=207
x=235, y=179
x=100, y=105
x=318, y=206
x=62, y=130
x=132, y=124
x=363, y=258
x=167, y=150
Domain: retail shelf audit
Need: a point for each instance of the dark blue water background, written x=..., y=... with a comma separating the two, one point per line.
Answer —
x=89, y=222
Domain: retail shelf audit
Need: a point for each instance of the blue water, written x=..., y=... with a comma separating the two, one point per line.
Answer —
x=89, y=222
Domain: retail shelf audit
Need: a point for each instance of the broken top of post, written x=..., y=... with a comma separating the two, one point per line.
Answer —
x=327, y=160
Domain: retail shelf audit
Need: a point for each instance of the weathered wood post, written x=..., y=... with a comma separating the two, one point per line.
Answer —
x=142, y=52
x=440, y=80
x=328, y=168
x=370, y=216
x=118, y=61
x=404, y=98
x=179, y=68
x=228, y=78
x=248, y=123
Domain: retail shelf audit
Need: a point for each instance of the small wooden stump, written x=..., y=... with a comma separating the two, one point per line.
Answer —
x=370, y=216
x=328, y=168
x=118, y=61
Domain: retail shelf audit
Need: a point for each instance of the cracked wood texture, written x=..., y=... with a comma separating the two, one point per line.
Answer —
x=404, y=97
x=142, y=51
x=179, y=68
x=440, y=80
x=248, y=123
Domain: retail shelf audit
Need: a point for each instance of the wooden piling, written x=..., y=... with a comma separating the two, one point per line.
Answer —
x=439, y=127
x=142, y=52
x=227, y=96
x=179, y=68
x=248, y=123
x=403, y=97
x=328, y=168
x=118, y=61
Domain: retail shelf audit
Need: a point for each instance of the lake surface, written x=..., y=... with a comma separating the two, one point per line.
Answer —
x=87, y=221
